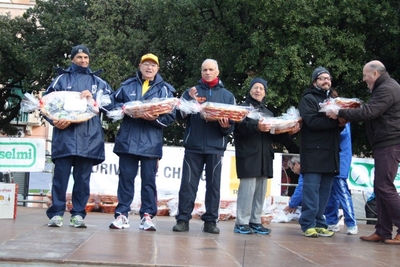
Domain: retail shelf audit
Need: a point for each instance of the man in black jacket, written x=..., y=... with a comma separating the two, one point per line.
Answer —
x=381, y=114
x=319, y=153
x=205, y=143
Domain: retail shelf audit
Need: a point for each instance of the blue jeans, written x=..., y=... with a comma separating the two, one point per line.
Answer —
x=316, y=191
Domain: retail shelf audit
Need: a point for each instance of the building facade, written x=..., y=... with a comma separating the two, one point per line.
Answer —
x=15, y=7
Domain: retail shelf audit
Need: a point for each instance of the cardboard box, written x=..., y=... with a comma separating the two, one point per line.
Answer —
x=8, y=200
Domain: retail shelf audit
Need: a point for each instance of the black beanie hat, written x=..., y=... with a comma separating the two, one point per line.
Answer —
x=79, y=49
x=318, y=71
x=259, y=80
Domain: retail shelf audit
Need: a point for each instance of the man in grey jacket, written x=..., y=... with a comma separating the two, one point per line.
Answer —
x=381, y=114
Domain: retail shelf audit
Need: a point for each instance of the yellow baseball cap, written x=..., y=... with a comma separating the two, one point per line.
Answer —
x=149, y=57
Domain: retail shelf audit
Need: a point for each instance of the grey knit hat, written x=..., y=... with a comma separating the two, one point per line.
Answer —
x=318, y=71
x=79, y=49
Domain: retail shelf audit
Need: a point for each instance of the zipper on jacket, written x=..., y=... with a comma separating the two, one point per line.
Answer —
x=187, y=137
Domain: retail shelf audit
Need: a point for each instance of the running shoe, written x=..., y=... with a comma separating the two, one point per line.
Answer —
x=77, y=222
x=55, y=221
x=258, y=228
x=324, y=232
x=121, y=222
x=352, y=230
x=334, y=227
x=146, y=224
x=311, y=232
x=242, y=229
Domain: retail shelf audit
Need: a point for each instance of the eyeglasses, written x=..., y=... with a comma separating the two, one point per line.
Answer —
x=324, y=78
x=147, y=64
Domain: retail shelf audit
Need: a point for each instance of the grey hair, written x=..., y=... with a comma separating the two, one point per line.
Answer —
x=295, y=159
x=212, y=60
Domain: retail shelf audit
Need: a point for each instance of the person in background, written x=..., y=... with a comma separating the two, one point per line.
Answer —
x=295, y=199
x=140, y=140
x=319, y=153
x=205, y=143
x=254, y=160
x=340, y=194
x=75, y=145
x=381, y=114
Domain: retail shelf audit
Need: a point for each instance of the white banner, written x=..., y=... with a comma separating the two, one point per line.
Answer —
x=104, y=179
x=22, y=154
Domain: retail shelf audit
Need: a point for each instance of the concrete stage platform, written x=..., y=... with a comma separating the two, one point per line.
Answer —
x=27, y=241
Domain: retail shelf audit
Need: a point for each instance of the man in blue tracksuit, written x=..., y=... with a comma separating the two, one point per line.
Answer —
x=77, y=145
x=205, y=143
x=340, y=194
x=295, y=199
x=140, y=139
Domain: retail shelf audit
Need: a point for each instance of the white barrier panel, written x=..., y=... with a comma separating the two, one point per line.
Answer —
x=360, y=178
x=104, y=179
x=22, y=154
x=361, y=175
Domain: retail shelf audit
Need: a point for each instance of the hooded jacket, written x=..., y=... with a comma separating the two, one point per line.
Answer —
x=139, y=136
x=253, y=149
x=84, y=139
x=320, y=135
x=207, y=137
x=381, y=113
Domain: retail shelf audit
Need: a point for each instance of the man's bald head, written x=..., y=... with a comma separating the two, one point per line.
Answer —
x=376, y=65
x=371, y=72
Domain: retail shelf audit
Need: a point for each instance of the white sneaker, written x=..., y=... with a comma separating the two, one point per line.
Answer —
x=146, y=224
x=55, y=221
x=352, y=230
x=334, y=227
x=121, y=222
x=77, y=222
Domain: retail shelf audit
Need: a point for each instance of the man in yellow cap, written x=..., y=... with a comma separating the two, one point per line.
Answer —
x=140, y=139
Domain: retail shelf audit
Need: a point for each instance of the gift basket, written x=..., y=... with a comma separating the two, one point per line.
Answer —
x=284, y=123
x=334, y=104
x=62, y=105
x=155, y=107
x=211, y=111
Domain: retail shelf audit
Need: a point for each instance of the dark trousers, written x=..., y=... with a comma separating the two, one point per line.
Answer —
x=128, y=169
x=387, y=199
x=193, y=165
x=80, y=191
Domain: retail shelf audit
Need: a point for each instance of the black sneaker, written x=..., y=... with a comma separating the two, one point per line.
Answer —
x=181, y=226
x=211, y=227
x=258, y=228
x=242, y=229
